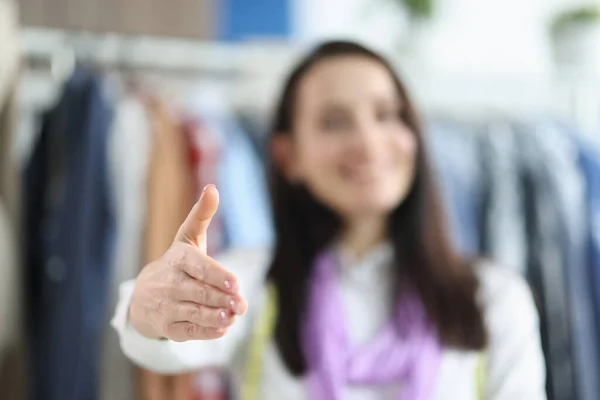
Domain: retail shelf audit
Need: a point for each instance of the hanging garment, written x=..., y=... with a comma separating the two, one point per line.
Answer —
x=562, y=155
x=504, y=238
x=585, y=262
x=9, y=164
x=589, y=160
x=9, y=63
x=12, y=348
x=244, y=202
x=257, y=128
x=170, y=196
x=204, y=134
x=129, y=151
x=70, y=232
x=546, y=261
x=9, y=47
x=204, y=141
x=456, y=159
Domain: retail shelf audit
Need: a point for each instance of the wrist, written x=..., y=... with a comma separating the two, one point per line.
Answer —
x=138, y=323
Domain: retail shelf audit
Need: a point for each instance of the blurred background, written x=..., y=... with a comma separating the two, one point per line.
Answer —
x=114, y=114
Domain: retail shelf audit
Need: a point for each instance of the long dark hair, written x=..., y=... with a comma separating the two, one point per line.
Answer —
x=424, y=257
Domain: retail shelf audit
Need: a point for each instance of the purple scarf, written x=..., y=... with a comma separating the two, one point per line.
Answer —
x=406, y=351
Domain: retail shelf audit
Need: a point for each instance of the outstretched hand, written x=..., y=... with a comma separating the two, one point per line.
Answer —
x=187, y=295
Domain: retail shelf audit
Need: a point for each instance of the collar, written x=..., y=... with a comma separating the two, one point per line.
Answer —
x=382, y=254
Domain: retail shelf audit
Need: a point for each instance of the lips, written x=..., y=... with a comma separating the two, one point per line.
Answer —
x=362, y=175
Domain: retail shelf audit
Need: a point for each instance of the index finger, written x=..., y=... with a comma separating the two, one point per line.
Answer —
x=205, y=269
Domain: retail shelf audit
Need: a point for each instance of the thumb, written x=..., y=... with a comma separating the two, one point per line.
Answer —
x=194, y=228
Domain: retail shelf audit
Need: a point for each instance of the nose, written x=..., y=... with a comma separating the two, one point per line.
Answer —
x=366, y=141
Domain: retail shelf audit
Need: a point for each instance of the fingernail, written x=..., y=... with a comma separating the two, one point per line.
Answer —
x=224, y=317
x=229, y=285
x=206, y=187
x=235, y=307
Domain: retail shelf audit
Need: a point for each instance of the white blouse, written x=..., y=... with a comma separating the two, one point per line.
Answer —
x=514, y=363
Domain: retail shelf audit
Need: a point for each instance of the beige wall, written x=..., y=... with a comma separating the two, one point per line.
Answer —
x=183, y=18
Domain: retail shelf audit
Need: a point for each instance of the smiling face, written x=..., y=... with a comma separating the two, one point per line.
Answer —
x=350, y=146
x=346, y=138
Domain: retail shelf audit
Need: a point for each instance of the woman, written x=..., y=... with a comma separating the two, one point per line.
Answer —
x=363, y=296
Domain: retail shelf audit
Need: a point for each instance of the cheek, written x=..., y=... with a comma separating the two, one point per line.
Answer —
x=322, y=164
x=403, y=158
x=404, y=147
x=319, y=158
x=405, y=141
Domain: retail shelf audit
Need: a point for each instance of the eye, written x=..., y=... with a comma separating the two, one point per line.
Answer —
x=389, y=115
x=336, y=122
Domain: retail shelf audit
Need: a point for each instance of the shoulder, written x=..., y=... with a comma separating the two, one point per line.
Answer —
x=514, y=357
x=510, y=312
x=500, y=287
x=504, y=295
x=496, y=281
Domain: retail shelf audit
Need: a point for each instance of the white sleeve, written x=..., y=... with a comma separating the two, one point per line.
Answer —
x=168, y=357
x=515, y=360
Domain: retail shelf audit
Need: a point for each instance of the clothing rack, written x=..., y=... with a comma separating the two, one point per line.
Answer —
x=58, y=51
x=252, y=68
x=246, y=69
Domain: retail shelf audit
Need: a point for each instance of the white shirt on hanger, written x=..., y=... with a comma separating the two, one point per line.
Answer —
x=129, y=147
